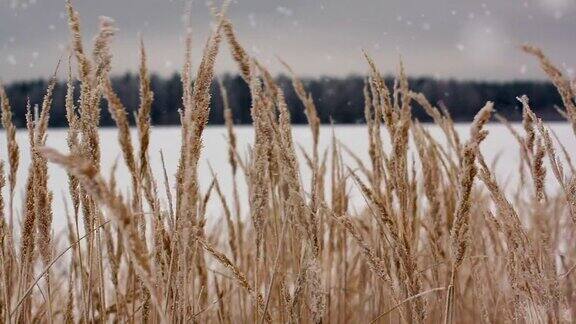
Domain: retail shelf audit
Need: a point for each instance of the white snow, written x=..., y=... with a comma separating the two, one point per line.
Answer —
x=498, y=144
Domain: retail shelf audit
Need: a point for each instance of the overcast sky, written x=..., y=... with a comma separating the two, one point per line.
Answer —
x=463, y=39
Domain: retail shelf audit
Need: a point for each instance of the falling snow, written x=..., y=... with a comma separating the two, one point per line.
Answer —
x=284, y=11
x=482, y=33
x=557, y=8
x=252, y=20
x=11, y=60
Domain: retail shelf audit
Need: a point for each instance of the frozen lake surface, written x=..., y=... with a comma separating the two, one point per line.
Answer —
x=498, y=143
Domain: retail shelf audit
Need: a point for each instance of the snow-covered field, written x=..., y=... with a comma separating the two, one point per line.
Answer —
x=498, y=144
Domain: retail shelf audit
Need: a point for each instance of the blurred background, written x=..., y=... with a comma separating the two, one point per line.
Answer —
x=460, y=53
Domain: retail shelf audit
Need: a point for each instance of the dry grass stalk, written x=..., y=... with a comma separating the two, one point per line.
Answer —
x=310, y=253
x=143, y=120
x=13, y=150
x=561, y=83
x=89, y=177
x=238, y=52
x=258, y=176
x=459, y=235
x=232, y=152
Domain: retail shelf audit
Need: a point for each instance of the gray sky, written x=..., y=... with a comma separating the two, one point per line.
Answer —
x=443, y=38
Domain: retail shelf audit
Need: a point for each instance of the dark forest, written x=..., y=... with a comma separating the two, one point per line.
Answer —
x=338, y=100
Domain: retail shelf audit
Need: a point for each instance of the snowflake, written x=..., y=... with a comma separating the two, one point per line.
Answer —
x=557, y=8
x=558, y=14
x=252, y=20
x=11, y=59
x=284, y=11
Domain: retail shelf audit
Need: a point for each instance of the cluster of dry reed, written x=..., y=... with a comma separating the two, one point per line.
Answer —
x=438, y=238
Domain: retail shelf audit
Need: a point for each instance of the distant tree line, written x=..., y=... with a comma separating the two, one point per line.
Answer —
x=340, y=100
